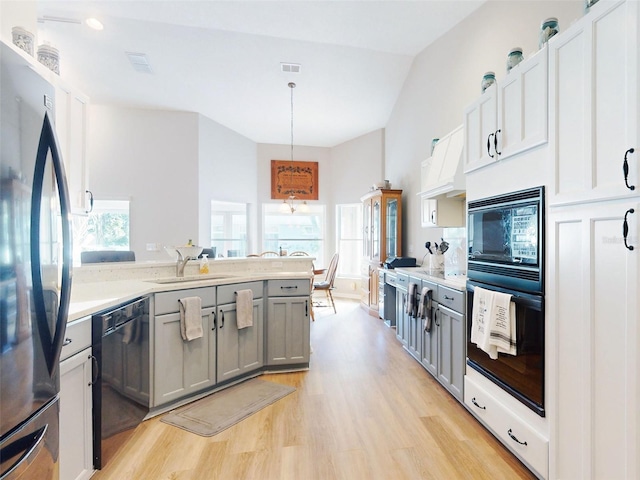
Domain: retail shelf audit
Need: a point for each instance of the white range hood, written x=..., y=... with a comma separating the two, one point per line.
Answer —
x=442, y=174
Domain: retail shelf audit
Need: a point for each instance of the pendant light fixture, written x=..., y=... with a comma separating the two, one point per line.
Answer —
x=288, y=204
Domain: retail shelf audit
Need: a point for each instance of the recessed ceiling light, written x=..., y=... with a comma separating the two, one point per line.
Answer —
x=94, y=23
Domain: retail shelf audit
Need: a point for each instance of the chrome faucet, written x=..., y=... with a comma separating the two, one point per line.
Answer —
x=182, y=262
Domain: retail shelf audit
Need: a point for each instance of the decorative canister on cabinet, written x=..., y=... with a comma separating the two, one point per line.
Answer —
x=548, y=29
x=22, y=39
x=49, y=57
x=588, y=4
x=514, y=58
x=488, y=79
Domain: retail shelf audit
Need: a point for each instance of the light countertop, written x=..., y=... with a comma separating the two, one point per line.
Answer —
x=458, y=282
x=88, y=298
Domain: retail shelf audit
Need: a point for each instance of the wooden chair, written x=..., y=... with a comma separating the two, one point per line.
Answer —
x=327, y=284
x=299, y=254
x=269, y=254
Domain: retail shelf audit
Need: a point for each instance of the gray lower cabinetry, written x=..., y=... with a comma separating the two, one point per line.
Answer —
x=240, y=351
x=441, y=351
x=402, y=317
x=288, y=327
x=182, y=368
x=451, y=353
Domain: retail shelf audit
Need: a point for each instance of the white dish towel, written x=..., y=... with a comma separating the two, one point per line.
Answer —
x=244, y=305
x=493, y=320
x=191, y=318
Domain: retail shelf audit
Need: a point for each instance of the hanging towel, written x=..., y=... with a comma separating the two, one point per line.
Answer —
x=190, y=318
x=244, y=305
x=412, y=300
x=480, y=319
x=502, y=334
x=424, y=309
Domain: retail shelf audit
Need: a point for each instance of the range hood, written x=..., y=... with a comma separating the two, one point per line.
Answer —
x=442, y=175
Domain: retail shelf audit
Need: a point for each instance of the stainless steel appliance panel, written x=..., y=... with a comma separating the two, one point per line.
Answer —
x=35, y=257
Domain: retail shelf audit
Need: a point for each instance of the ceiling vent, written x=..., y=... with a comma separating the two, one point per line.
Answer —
x=139, y=62
x=291, y=67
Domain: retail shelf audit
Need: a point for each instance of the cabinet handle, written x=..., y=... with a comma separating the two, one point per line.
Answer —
x=446, y=297
x=433, y=216
x=67, y=341
x=625, y=228
x=489, y=144
x=625, y=169
x=215, y=321
x=288, y=287
x=94, y=370
x=90, y=200
x=435, y=317
x=495, y=142
x=306, y=308
x=473, y=400
x=221, y=318
x=513, y=437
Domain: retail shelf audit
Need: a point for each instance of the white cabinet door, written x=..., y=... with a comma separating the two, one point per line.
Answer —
x=593, y=307
x=522, y=107
x=444, y=212
x=510, y=117
x=182, y=367
x=594, y=105
x=71, y=128
x=480, y=120
x=76, y=431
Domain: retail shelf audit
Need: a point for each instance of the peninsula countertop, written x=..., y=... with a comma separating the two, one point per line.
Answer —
x=91, y=293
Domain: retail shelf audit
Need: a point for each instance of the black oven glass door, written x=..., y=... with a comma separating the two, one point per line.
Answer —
x=505, y=234
x=521, y=375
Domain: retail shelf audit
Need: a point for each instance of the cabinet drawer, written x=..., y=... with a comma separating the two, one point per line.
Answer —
x=531, y=447
x=402, y=281
x=227, y=293
x=288, y=288
x=77, y=337
x=167, y=302
x=453, y=299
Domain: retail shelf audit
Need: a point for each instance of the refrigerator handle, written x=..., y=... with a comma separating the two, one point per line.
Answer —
x=28, y=446
x=51, y=346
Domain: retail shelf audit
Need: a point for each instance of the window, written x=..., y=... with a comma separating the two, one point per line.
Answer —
x=229, y=228
x=349, y=238
x=299, y=231
x=105, y=228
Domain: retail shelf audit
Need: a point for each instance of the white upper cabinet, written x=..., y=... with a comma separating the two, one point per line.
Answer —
x=594, y=106
x=71, y=128
x=510, y=117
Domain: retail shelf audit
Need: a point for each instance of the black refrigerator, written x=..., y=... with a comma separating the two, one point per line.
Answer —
x=35, y=271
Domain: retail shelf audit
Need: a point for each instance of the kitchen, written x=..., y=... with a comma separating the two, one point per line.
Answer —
x=397, y=150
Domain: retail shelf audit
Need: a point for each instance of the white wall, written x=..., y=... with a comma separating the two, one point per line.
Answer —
x=445, y=78
x=155, y=159
x=227, y=172
x=358, y=163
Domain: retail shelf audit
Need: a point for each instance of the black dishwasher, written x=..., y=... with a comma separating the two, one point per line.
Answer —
x=120, y=340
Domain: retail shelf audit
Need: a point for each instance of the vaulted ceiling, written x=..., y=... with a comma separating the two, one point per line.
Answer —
x=223, y=59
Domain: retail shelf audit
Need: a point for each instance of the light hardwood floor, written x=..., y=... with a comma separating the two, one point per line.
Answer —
x=364, y=410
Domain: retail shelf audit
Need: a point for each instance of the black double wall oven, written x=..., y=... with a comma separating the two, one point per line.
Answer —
x=506, y=255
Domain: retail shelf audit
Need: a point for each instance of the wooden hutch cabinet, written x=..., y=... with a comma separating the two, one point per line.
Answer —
x=382, y=238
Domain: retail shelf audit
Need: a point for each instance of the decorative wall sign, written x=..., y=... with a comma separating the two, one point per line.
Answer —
x=294, y=178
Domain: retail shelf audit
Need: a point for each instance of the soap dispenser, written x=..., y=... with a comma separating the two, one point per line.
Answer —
x=204, y=263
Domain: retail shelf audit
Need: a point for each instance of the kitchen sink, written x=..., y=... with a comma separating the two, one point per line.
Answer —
x=199, y=278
